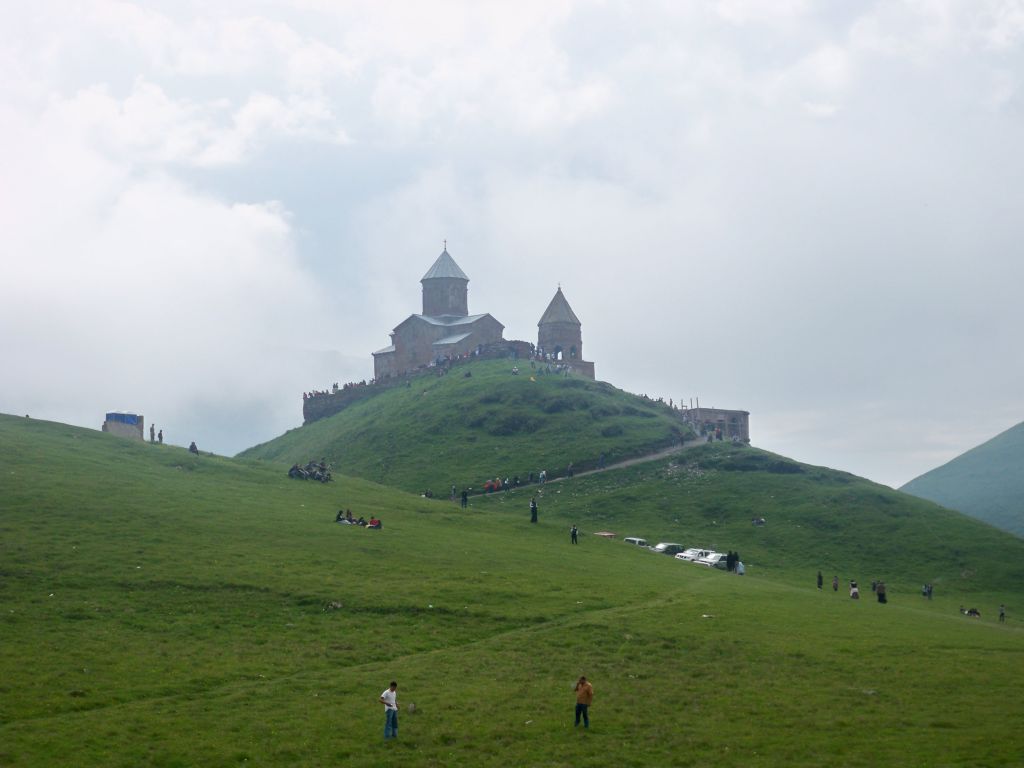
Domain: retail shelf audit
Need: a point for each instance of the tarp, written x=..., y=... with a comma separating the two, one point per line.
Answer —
x=123, y=418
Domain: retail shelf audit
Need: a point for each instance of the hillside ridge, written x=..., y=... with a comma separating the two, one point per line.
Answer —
x=985, y=482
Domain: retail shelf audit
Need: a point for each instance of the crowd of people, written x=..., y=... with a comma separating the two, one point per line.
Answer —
x=313, y=470
x=335, y=389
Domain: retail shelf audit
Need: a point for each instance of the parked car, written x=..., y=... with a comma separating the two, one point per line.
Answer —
x=713, y=560
x=635, y=540
x=667, y=548
x=692, y=554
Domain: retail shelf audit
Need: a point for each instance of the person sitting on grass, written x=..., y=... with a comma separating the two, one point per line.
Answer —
x=340, y=518
x=361, y=521
x=374, y=523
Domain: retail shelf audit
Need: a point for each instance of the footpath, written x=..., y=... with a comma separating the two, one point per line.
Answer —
x=635, y=460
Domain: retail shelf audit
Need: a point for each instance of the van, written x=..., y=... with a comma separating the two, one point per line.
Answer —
x=635, y=540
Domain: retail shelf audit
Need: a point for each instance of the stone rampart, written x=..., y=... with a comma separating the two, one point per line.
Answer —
x=320, y=406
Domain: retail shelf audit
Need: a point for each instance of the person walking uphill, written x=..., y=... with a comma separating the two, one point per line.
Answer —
x=390, y=701
x=533, y=510
x=584, y=697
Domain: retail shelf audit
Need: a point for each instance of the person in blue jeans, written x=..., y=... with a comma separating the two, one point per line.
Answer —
x=390, y=701
x=584, y=697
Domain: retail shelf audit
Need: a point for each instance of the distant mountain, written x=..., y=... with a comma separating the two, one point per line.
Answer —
x=987, y=482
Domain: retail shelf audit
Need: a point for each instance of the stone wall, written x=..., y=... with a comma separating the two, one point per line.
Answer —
x=134, y=431
x=321, y=406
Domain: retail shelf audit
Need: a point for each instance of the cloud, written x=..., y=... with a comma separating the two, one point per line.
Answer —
x=126, y=288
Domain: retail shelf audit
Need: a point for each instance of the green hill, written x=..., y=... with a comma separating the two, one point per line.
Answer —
x=447, y=430
x=164, y=609
x=987, y=482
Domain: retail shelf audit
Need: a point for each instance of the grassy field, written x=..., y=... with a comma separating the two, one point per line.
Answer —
x=463, y=431
x=170, y=610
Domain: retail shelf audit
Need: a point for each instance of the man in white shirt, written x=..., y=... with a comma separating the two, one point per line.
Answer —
x=390, y=701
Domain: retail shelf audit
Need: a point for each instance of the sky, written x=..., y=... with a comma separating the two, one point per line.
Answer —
x=810, y=211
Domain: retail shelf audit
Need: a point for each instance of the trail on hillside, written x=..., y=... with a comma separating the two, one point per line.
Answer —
x=635, y=460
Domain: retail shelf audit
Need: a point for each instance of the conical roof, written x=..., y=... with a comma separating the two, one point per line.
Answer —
x=559, y=311
x=445, y=266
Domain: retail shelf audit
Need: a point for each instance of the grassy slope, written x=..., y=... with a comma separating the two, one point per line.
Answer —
x=162, y=609
x=816, y=518
x=987, y=482
x=492, y=424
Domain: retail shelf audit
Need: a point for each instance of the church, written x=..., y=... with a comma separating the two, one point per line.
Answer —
x=445, y=329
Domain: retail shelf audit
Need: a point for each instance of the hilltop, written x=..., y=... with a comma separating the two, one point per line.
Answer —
x=453, y=429
x=986, y=482
x=161, y=608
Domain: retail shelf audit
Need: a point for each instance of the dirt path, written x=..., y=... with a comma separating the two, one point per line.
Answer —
x=636, y=459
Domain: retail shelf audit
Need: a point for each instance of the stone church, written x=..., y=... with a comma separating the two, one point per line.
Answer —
x=446, y=330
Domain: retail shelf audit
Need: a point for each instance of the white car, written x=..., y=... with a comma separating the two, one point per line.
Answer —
x=636, y=540
x=713, y=560
x=692, y=554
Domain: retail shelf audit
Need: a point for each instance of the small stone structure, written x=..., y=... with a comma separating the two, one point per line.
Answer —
x=732, y=423
x=125, y=425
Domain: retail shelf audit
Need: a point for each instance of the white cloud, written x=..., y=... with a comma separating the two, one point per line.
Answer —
x=125, y=287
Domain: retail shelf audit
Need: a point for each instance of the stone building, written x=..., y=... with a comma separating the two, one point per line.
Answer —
x=732, y=423
x=559, y=334
x=444, y=329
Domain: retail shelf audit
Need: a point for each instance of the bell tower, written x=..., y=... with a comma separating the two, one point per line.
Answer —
x=445, y=289
x=559, y=331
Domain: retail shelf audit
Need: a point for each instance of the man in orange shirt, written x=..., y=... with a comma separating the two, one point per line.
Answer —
x=584, y=696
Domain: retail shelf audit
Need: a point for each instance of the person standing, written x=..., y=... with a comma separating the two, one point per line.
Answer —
x=465, y=499
x=835, y=583
x=160, y=436
x=572, y=535
x=584, y=697
x=533, y=510
x=880, y=591
x=152, y=433
x=390, y=701
x=1002, y=613
x=820, y=581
